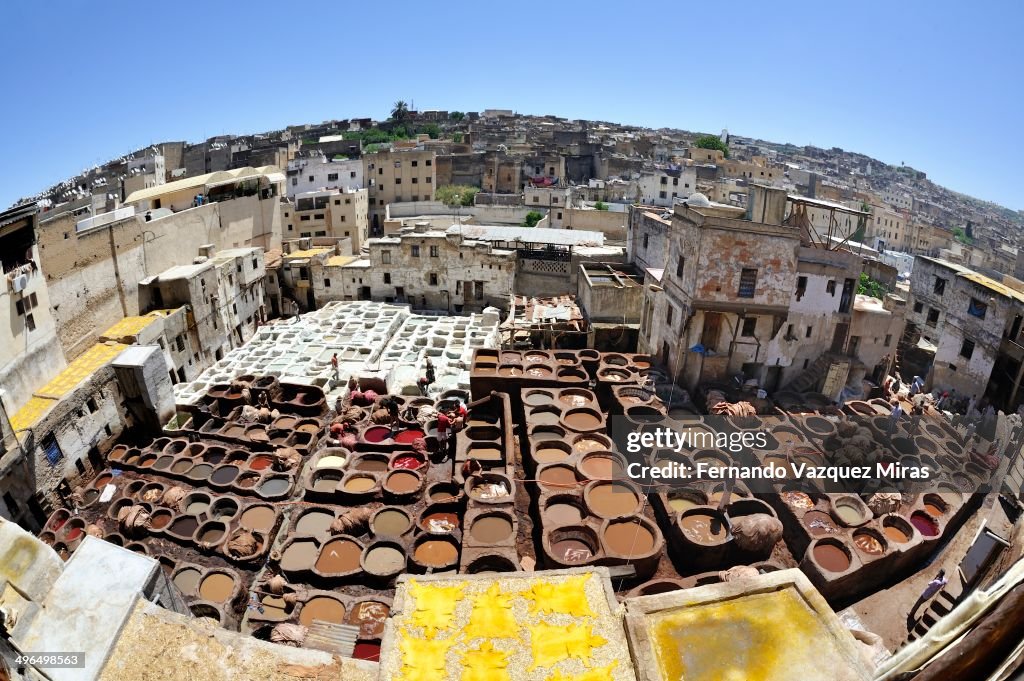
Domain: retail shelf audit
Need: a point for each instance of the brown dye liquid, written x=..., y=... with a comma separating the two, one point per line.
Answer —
x=371, y=465
x=438, y=521
x=587, y=444
x=436, y=553
x=538, y=371
x=260, y=463
x=491, y=529
x=549, y=455
x=703, y=528
x=486, y=453
x=216, y=587
x=564, y=514
x=933, y=510
x=402, y=482
x=819, y=523
x=680, y=504
x=187, y=580
x=212, y=535
x=258, y=518
x=612, y=499
x=300, y=555
x=181, y=466
x=629, y=539
x=544, y=418
x=831, y=558
x=573, y=400
x=247, y=481
x=391, y=523
x=895, y=534
x=443, y=494
x=184, y=527
x=325, y=484
x=163, y=462
x=359, y=484
x=582, y=420
x=273, y=608
x=384, y=560
x=338, y=556
x=868, y=544
x=321, y=608
x=561, y=476
x=546, y=436
x=200, y=471
x=571, y=551
x=601, y=468
x=160, y=520
x=314, y=523
x=370, y=616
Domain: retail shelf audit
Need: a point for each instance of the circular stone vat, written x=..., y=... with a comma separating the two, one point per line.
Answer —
x=383, y=559
x=314, y=522
x=583, y=420
x=557, y=476
x=376, y=434
x=483, y=433
x=162, y=463
x=214, y=454
x=925, y=524
x=570, y=374
x=370, y=617
x=492, y=528
x=612, y=499
x=544, y=416
x=602, y=466
x=552, y=451
x=390, y=522
x=613, y=375
x=850, y=511
x=322, y=608
x=199, y=472
x=409, y=461
x=402, y=482
x=831, y=555
x=630, y=538
x=443, y=491
x=490, y=563
x=819, y=425
x=299, y=554
x=897, y=530
x=274, y=486
x=207, y=611
x=359, y=483
x=160, y=519
x=573, y=544
x=489, y=487
x=195, y=503
x=181, y=465
x=187, y=581
x=439, y=552
x=935, y=505
x=510, y=370
x=409, y=435
x=576, y=398
x=339, y=556
x=591, y=442
x=869, y=542
x=819, y=523
x=683, y=500
x=259, y=517
x=547, y=433
x=326, y=480
x=370, y=463
x=538, y=398
x=146, y=460
x=260, y=462
x=797, y=500
x=217, y=587
x=440, y=518
x=642, y=413
x=224, y=475
x=224, y=509
x=211, y=532
x=704, y=526
x=117, y=506
x=183, y=526
x=564, y=509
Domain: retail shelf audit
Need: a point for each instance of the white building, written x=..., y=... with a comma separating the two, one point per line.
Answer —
x=316, y=174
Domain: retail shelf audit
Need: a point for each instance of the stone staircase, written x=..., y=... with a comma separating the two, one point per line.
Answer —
x=809, y=378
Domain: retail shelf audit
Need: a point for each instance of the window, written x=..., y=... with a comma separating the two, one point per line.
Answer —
x=918, y=307
x=967, y=349
x=295, y=182
x=30, y=322
x=976, y=308
x=748, y=283
x=304, y=218
x=680, y=263
x=668, y=315
x=398, y=180
x=646, y=237
x=940, y=286
x=415, y=180
x=352, y=174
x=433, y=279
x=662, y=195
x=337, y=202
x=415, y=251
x=479, y=292
x=801, y=287
x=664, y=180
x=808, y=332
x=348, y=202
x=427, y=179
x=749, y=326
x=415, y=163
x=830, y=287
x=385, y=257
x=332, y=177
x=179, y=342
x=560, y=217
x=398, y=164
x=52, y=449
x=536, y=199
x=434, y=252
x=888, y=339
x=387, y=277
x=429, y=162
x=675, y=181
x=327, y=283
x=311, y=178
x=380, y=171
x=933, y=316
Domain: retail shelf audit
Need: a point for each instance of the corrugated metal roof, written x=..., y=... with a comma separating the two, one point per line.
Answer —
x=530, y=235
x=993, y=285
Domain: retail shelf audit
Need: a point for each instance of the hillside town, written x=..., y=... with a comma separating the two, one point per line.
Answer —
x=321, y=402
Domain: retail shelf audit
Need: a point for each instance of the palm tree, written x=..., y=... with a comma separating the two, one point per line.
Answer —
x=400, y=111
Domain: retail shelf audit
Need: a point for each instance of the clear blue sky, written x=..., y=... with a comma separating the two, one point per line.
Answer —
x=937, y=85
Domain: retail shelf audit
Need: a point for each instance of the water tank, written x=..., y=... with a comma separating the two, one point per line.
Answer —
x=766, y=204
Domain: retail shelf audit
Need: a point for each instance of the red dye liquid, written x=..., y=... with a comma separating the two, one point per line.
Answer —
x=260, y=463
x=408, y=462
x=407, y=436
x=74, y=533
x=377, y=434
x=925, y=525
x=367, y=651
x=59, y=523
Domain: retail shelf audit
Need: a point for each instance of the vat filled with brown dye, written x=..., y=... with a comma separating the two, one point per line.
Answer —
x=217, y=586
x=325, y=480
x=383, y=559
x=897, y=530
x=612, y=499
x=258, y=517
x=704, y=526
x=552, y=451
x=819, y=523
x=869, y=542
x=602, y=466
x=557, y=477
x=390, y=521
x=359, y=484
x=314, y=522
x=339, y=556
x=402, y=483
x=186, y=579
x=299, y=554
x=370, y=616
x=630, y=537
x=439, y=552
x=440, y=518
x=492, y=528
x=563, y=510
x=323, y=609
x=572, y=545
x=210, y=533
x=224, y=509
x=583, y=420
x=831, y=555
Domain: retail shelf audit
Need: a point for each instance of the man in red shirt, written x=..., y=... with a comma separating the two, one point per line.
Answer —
x=444, y=424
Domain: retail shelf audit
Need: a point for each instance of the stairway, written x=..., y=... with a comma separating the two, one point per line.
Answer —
x=809, y=378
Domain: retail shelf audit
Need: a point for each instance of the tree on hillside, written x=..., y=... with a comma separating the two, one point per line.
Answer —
x=456, y=116
x=712, y=142
x=400, y=111
x=456, y=194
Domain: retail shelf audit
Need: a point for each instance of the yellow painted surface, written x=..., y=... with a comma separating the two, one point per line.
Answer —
x=31, y=412
x=129, y=326
x=994, y=285
x=80, y=369
x=762, y=637
x=309, y=253
x=339, y=260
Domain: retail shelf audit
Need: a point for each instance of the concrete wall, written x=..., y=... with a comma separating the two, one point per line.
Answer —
x=610, y=223
x=482, y=215
x=648, y=238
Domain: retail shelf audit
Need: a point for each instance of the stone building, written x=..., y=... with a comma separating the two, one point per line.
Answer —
x=396, y=176
x=312, y=174
x=329, y=213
